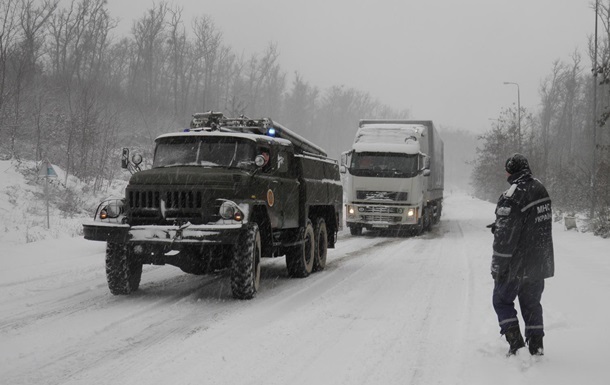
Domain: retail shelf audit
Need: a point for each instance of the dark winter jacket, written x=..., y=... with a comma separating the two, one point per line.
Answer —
x=523, y=241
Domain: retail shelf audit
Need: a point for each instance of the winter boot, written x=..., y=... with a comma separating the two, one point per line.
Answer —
x=534, y=343
x=514, y=339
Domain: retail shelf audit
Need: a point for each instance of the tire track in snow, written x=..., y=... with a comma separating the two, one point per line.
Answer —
x=148, y=321
x=279, y=300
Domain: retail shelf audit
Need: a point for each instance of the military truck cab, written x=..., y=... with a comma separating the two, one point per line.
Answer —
x=222, y=195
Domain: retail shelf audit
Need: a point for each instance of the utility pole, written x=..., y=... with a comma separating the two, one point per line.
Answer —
x=594, y=122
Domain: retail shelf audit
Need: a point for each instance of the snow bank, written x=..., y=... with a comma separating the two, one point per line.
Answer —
x=23, y=203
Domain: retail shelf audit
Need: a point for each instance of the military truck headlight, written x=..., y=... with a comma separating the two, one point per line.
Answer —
x=136, y=159
x=229, y=210
x=109, y=209
x=259, y=161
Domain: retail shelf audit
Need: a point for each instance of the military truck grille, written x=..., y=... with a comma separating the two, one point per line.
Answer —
x=381, y=195
x=173, y=199
x=380, y=218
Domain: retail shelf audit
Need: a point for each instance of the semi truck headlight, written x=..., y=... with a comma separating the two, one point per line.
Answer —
x=350, y=210
x=410, y=213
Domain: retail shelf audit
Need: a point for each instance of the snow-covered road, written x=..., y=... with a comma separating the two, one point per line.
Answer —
x=386, y=310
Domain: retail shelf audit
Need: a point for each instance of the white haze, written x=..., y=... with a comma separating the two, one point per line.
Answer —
x=443, y=60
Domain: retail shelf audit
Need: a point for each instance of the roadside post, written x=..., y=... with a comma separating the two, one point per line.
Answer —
x=47, y=171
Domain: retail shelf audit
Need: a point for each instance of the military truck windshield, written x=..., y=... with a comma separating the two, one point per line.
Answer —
x=204, y=151
x=386, y=165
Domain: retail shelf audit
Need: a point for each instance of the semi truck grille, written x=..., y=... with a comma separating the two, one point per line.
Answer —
x=380, y=218
x=147, y=199
x=381, y=195
x=381, y=209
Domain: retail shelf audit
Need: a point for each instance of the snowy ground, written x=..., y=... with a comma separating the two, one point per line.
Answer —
x=386, y=310
x=23, y=208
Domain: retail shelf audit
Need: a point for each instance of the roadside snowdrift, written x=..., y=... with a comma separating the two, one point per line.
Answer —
x=23, y=208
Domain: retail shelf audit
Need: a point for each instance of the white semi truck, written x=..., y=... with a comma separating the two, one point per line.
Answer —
x=394, y=176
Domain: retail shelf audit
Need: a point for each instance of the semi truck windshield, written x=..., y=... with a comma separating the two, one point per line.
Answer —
x=386, y=165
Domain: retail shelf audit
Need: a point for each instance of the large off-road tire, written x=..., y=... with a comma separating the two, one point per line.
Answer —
x=299, y=259
x=123, y=269
x=246, y=264
x=355, y=230
x=321, y=245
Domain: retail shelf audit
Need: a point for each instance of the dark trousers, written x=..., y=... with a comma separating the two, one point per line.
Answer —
x=529, y=294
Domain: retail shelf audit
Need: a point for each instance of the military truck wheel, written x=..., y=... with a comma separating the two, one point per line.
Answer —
x=246, y=264
x=321, y=245
x=299, y=259
x=355, y=230
x=123, y=270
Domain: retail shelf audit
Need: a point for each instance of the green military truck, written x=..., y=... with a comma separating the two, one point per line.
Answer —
x=222, y=195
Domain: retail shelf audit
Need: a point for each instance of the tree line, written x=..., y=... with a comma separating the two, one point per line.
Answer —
x=73, y=92
x=566, y=139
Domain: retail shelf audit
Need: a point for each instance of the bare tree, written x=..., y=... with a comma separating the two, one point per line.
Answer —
x=300, y=105
x=259, y=70
x=178, y=48
x=550, y=94
x=208, y=41
x=9, y=14
x=26, y=53
x=149, y=35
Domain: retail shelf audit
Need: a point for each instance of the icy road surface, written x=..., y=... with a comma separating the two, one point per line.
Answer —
x=386, y=310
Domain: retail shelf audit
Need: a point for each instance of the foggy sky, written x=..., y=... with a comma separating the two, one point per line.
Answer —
x=443, y=60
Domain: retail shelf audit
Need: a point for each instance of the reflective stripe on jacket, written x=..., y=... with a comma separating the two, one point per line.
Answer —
x=523, y=240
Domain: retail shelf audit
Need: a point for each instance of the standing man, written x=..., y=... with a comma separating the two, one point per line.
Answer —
x=522, y=255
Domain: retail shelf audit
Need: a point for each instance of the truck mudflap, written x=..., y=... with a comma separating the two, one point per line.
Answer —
x=170, y=235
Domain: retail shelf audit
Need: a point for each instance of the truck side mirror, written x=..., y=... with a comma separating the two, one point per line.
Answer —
x=346, y=158
x=342, y=169
x=125, y=158
x=426, y=162
x=426, y=172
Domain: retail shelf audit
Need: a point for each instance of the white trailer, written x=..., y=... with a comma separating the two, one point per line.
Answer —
x=394, y=176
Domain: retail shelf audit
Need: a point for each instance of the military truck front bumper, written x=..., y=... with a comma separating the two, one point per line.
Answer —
x=170, y=236
x=381, y=216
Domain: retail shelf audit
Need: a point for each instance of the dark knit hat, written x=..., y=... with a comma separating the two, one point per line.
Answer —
x=516, y=163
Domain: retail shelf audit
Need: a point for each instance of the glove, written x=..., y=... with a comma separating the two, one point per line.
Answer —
x=498, y=273
x=497, y=278
x=492, y=227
